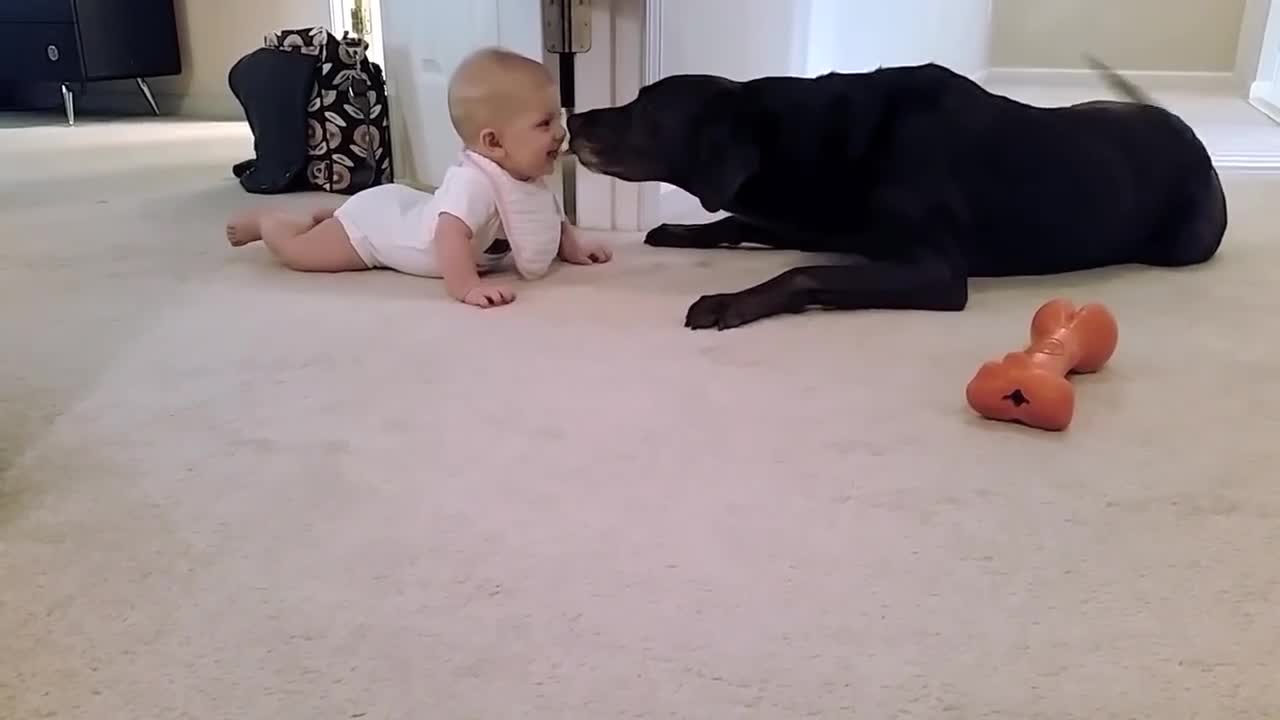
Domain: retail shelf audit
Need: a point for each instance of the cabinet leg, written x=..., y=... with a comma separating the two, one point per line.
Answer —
x=69, y=104
x=146, y=92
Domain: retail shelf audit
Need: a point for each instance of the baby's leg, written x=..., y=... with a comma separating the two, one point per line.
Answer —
x=245, y=227
x=299, y=243
x=309, y=247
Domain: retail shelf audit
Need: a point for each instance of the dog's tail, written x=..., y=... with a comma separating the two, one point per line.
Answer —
x=1119, y=83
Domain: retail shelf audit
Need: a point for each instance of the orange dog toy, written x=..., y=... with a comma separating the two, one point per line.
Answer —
x=1031, y=386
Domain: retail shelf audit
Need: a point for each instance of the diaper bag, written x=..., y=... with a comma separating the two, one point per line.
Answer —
x=346, y=139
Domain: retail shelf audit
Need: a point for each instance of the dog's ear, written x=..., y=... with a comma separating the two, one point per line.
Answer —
x=727, y=157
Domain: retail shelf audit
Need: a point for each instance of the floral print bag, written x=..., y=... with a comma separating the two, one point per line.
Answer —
x=348, y=125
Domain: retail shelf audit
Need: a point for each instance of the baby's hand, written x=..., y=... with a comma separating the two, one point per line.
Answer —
x=587, y=253
x=486, y=295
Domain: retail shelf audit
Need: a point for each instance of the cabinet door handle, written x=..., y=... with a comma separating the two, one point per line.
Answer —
x=53, y=53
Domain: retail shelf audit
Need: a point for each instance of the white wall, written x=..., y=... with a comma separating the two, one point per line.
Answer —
x=219, y=33
x=1154, y=35
x=742, y=39
x=739, y=39
x=859, y=35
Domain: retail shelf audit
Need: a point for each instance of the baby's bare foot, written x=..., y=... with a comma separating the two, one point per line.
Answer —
x=245, y=227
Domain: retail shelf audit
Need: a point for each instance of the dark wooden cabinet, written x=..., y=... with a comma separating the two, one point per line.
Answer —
x=76, y=42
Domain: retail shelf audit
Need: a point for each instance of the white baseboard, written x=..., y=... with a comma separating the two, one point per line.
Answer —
x=130, y=101
x=1210, y=82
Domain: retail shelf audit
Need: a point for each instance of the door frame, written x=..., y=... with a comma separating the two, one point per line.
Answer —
x=648, y=195
x=1260, y=49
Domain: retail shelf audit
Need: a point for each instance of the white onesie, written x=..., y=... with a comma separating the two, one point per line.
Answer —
x=393, y=226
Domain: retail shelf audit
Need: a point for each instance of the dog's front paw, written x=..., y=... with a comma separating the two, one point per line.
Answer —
x=694, y=237
x=721, y=312
x=668, y=236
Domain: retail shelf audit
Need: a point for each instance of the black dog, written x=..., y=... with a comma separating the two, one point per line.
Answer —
x=925, y=176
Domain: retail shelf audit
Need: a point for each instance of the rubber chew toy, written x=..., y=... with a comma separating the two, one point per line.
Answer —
x=1031, y=386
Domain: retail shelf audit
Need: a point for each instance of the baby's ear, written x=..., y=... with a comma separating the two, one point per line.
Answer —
x=489, y=141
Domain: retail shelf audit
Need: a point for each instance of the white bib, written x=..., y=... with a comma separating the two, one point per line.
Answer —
x=530, y=216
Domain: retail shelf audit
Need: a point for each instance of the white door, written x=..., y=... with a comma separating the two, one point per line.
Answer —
x=423, y=41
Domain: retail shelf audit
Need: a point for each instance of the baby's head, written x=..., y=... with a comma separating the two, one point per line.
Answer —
x=505, y=107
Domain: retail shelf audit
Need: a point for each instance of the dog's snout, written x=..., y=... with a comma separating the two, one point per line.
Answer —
x=580, y=150
x=578, y=140
x=589, y=134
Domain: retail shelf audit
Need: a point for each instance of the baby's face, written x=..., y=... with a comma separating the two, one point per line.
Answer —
x=533, y=138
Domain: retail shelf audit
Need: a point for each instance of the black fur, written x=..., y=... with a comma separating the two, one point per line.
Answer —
x=921, y=176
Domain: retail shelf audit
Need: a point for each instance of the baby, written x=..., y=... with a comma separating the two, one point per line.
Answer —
x=493, y=204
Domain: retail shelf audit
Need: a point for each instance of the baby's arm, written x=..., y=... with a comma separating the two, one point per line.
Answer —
x=453, y=254
x=574, y=250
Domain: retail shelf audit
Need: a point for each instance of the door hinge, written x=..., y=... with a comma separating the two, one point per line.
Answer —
x=566, y=25
x=361, y=18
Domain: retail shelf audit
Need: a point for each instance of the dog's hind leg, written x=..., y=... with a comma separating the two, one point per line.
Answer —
x=1195, y=228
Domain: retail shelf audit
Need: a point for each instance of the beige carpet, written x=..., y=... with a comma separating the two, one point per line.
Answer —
x=234, y=492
